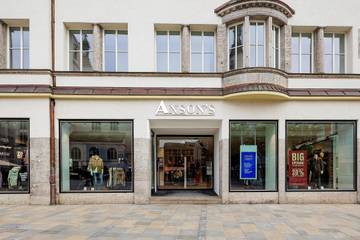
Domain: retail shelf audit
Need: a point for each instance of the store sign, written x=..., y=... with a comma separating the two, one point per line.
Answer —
x=298, y=168
x=185, y=109
x=248, y=162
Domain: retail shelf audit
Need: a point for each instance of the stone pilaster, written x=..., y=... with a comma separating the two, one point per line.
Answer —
x=319, y=50
x=269, y=42
x=185, y=48
x=98, y=47
x=221, y=48
x=3, y=44
x=285, y=48
x=358, y=170
x=142, y=174
x=224, y=170
x=246, y=41
x=39, y=171
x=281, y=171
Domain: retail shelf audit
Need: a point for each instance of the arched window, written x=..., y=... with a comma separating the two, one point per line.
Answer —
x=111, y=154
x=75, y=153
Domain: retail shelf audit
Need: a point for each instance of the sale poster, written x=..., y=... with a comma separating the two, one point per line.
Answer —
x=248, y=162
x=298, y=168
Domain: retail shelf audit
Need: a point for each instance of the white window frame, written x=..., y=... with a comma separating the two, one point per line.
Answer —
x=300, y=51
x=116, y=48
x=274, y=47
x=203, y=51
x=257, y=44
x=236, y=46
x=168, y=48
x=81, y=45
x=21, y=46
x=333, y=51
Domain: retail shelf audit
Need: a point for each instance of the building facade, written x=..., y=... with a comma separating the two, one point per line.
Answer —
x=253, y=101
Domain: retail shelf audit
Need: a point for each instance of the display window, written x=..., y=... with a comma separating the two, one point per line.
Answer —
x=321, y=155
x=253, y=155
x=14, y=156
x=96, y=156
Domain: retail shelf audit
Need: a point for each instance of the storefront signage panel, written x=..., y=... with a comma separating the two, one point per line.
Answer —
x=248, y=162
x=185, y=109
x=298, y=168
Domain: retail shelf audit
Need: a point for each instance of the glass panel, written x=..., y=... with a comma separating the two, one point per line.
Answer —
x=74, y=61
x=87, y=38
x=26, y=58
x=295, y=43
x=239, y=35
x=110, y=41
x=196, y=62
x=185, y=163
x=261, y=54
x=15, y=37
x=209, y=42
x=74, y=40
x=161, y=41
x=306, y=43
x=110, y=62
x=253, y=155
x=320, y=156
x=162, y=62
x=122, y=62
x=342, y=64
x=122, y=41
x=25, y=37
x=328, y=43
x=87, y=61
x=328, y=63
x=339, y=65
x=252, y=56
x=232, y=37
x=174, y=62
x=15, y=59
x=261, y=33
x=209, y=65
x=232, y=59
x=253, y=33
x=239, y=57
x=276, y=33
x=103, y=157
x=174, y=42
x=339, y=44
x=196, y=42
x=295, y=68
x=277, y=58
x=305, y=63
x=14, y=156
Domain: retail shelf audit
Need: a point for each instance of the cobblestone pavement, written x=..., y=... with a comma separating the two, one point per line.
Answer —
x=180, y=222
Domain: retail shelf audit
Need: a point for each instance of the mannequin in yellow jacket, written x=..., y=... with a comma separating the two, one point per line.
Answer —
x=96, y=169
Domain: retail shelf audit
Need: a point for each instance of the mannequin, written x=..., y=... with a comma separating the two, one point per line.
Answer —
x=317, y=170
x=96, y=169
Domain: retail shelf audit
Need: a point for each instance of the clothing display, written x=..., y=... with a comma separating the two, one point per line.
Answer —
x=116, y=176
x=96, y=165
x=13, y=177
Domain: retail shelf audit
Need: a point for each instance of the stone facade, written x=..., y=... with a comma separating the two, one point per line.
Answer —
x=285, y=45
x=142, y=173
x=98, y=47
x=270, y=77
x=3, y=43
x=319, y=50
x=221, y=48
x=185, y=48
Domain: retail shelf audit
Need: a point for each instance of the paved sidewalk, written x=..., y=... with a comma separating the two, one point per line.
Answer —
x=180, y=222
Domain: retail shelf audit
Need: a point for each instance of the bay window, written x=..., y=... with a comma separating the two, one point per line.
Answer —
x=257, y=44
x=236, y=47
x=334, y=53
x=81, y=50
x=276, y=47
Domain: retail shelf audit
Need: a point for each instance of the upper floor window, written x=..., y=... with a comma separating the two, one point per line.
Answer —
x=81, y=50
x=276, y=47
x=168, y=51
x=301, y=52
x=19, y=47
x=257, y=44
x=236, y=47
x=334, y=53
x=115, y=51
x=202, y=52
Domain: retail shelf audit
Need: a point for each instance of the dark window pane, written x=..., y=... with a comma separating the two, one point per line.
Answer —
x=232, y=37
x=239, y=35
x=239, y=55
x=232, y=59
x=74, y=40
x=87, y=40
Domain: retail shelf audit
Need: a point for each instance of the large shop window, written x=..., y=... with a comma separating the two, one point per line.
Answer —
x=253, y=151
x=96, y=159
x=257, y=44
x=321, y=155
x=14, y=156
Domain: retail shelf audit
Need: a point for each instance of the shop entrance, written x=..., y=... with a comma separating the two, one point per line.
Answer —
x=184, y=162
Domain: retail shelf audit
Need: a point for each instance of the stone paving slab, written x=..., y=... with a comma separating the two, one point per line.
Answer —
x=163, y=221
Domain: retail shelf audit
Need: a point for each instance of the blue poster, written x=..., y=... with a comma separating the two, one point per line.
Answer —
x=248, y=162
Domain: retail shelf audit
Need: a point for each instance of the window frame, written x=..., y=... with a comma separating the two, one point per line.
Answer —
x=274, y=63
x=60, y=121
x=8, y=46
x=29, y=156
x=300, y=54
x=333, y=52
x=168, y=49
x=276, y=122
x=355, y=147
x=257, y=43
x=235, y=25
x=117, y=51
x=203, y=51
x=81, y=48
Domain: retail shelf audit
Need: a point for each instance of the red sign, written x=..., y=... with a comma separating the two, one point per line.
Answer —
x=298, y=168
